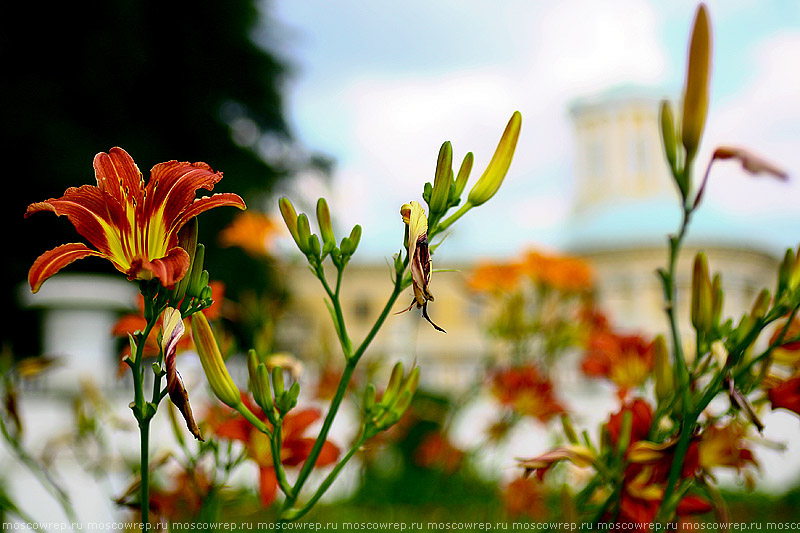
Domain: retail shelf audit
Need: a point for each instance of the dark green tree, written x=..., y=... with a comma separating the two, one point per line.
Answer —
x=181, y=80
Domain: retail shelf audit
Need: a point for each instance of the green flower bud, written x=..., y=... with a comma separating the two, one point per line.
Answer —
x=325, y=225
x=442, y=179
x=290, y=219
x=187, y=239
x=701, y=294
x=262, y=393
x=213, y=364
x=303, y=233
x=696, y=91
x=393, y=387
x=491, y=179
x=463, y=174
x=663, y=369
x=195, y=285
x=355, y=238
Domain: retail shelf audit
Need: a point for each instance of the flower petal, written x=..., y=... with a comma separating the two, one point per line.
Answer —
x=95, y=215
x=268, y=485
x=169, y=269
x=119, y=177
x=50, y=262
x=201, y=205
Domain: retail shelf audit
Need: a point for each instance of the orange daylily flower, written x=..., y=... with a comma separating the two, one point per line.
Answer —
x=725, y=446
x=132, y=225
x=252, y=232
x=295, y=448
x=525, y=497
x=527, y=391
x=436, y=451
x=568, y=274
x=786, y=395
x=495, y=278
x=626, y=360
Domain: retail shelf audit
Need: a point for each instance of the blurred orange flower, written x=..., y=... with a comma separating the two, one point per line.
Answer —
x=436, y=451
x=786, y=395
x=724, y=446
x=253, y=232
x=626, y=360
x=184, y=500
x=526, y=391
x=565, y=273
x=295, y=448
x=495, y=277
x=524, y=497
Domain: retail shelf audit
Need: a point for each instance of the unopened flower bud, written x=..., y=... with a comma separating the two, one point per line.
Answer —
x=701, y=294
x=663, y=368
x=463, y=174
x=213, y=365
x=324, y=222
x=195, y=285
x=717, y=300
x=187, y=239
x=393, y=387
x=761, y=305
x=695, y=95
x=719, y=353
x=442, y=180
x=491, y=179
x=303, y=233
x=290, y=219
x=785, y=272
x=668, y=136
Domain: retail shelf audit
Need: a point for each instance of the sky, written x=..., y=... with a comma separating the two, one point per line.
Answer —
x=379, y=86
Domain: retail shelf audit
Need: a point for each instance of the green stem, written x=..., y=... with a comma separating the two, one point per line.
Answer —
x=688, y=418
x=311, y=461
x=294, y=514
x=352, y=359
x=446, y=223
x=144, y=437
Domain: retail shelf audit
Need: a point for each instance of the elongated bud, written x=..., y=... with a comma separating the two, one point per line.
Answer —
x=355, y=238
x=277, y=381
x=663, y=369
x=369, y=398
x=195, y=285
x=785, y=272
x=303, y=233
x=491, y=179
x=324, y=221
x=668, y=133
x=442, y=180
x=695, y=96
x=187, y=239
x=290, y=219
x=213, y=365
x=314, y=248
x=262, y=393
x=761, y=305
x=794, y=279
x=463, y=174
x=393, y=387
x=718, y=299
x=719, y=353
x=701, y=294
x=252, y=365
x=625, y=432
x=412, y=381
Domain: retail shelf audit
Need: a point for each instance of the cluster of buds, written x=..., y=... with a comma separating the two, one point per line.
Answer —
x=283, y=401
x=192, y=293
x=381, y=415
x=309, y=243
